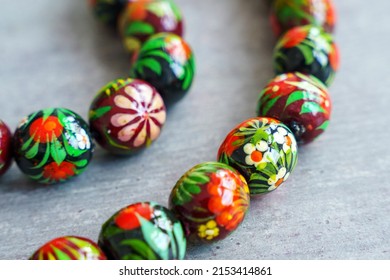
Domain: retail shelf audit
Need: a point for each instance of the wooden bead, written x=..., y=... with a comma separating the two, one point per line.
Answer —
x=263, y=150
x=166, y=61
x=309, y=50
x=127, y=116
x=299, y=101
x=53, y=145
x=211, y=201
x=143, y=231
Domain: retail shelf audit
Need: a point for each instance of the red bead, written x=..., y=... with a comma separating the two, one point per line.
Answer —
x=127, y=116
x=211, y=201
x=5, y=148
x=301, y=102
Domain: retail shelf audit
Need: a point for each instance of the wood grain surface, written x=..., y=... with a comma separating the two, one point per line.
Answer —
x=336, y=204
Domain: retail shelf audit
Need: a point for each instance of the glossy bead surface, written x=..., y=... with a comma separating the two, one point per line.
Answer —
x=52, y=145
x=69, y=248
x=166, y=61
x=5, y=148
x=142, y=19
x=127, y=116
x=108, y=11
x=211, y=201
x=143, y=231
x=299, y=101
x=287, y=14
x=309, y=50
x=263, y=150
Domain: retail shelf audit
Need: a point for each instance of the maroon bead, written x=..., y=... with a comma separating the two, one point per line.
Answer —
x=127, y=116
x=5, y=148
x=299, y=101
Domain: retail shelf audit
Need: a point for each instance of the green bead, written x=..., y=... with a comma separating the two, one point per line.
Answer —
x=143, y=231
x=166, y=62
x=53, y=145
x=263, y=150
x=309, y=50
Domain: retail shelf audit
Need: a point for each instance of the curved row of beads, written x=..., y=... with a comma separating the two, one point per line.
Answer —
x=54, y=145
x=212, y=198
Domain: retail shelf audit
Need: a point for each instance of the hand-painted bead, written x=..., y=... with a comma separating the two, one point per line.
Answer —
x=108, y=11
x=143, y=231
x=309, y=50
x=52, y=145
x=142, y=19
x=5, y=148
x=287, y=14
x=127, y=116
x=263, y=150
x=69, y=248
x=299, y=101
x=166, y=62
x=211, y=200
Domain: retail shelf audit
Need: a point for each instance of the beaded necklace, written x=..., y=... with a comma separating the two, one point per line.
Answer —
x=210, y=201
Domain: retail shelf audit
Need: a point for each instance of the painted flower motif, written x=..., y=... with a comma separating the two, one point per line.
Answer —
x=128, y=218
x=280, y=135
x=55, y=172
x=136, y=11
x=283, y=137
x=255, y=153
x=161, y=221
x=179, y=50
x=229, y=198
x=44, y=130
x=76, y=135
x=294, y=37
x=208, y=231
x=83, y=140
x=147, y=115
x=277, y=179
x=290, y=143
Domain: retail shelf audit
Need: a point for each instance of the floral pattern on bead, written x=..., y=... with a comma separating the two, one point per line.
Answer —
x=52, y=145
x=266, y=150
x=211, y=200
x=142, y=19
x=287, y=14
x=69, y=248
x=167, y=62
x=301, y=102
x=309, y=50
x=127, y=115
x=143, y=231
x=209, y=230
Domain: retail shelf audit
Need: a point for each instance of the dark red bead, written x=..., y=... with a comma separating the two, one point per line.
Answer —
x=299, y=101
x=5, y=148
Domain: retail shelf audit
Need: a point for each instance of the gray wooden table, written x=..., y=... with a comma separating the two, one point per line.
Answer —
x=336, y=205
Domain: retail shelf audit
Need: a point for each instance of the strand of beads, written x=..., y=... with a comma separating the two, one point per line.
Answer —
x=54, y=145
x=210, y=200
